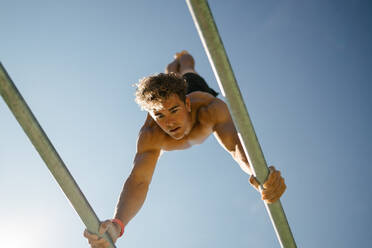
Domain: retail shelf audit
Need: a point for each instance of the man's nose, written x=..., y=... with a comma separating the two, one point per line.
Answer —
x=169, y=122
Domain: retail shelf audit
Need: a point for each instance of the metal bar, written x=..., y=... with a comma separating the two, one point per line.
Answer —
x=215, y=50
x=39, y=139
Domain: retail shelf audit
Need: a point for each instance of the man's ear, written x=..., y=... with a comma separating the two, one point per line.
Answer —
x=187, y=103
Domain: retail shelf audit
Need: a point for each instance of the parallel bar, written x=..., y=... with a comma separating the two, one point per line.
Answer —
x=48, y=153
x=215, y=50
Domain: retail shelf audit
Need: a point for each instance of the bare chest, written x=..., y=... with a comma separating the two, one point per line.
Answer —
x=198, y=135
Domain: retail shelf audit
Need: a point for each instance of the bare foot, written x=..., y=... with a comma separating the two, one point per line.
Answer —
x=186, y=61
x=183, y=63
x=174, y=66
x=178, y=55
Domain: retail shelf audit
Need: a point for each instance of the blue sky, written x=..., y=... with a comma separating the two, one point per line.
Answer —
x=304, y=69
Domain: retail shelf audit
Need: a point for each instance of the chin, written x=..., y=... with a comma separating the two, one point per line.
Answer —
x=178, y=136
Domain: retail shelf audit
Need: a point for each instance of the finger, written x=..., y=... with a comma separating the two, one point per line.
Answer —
x=90, y=236
x=276, y=197
x=280, y=194
x=104, y=226
x=102, y=243
x=97, y=246
x=270, y=178
x=280, y=191
x=253, y=181
x=273, y=177
x=271, y=189
x=273, y=192
x=268, y=193
x=276, y=194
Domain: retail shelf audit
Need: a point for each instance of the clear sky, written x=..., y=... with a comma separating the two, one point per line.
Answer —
x=304, y=68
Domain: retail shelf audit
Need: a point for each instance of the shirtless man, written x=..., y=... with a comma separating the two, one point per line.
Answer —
x=182, y=111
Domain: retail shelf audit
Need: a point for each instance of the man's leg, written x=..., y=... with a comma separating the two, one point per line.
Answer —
x=183, y=63
x=174, y=66
x=186, y=63
x=187, y=70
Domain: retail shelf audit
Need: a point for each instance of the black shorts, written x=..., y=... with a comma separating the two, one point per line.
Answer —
x=197, y=83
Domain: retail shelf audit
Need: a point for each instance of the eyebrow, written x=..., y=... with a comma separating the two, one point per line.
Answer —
x=174, y=107
x=170, y=109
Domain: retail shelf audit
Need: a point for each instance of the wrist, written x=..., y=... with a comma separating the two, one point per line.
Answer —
x=119, y=226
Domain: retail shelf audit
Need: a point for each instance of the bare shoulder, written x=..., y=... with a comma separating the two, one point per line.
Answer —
x=210, y=109
x=150, y=136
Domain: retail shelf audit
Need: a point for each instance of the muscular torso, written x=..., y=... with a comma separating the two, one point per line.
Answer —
x=208, y=115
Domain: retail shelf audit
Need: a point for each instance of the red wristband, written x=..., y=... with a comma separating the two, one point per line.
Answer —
x=120, y=223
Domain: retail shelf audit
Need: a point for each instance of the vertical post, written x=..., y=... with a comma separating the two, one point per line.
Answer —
x=39, y=139
x=215, y=50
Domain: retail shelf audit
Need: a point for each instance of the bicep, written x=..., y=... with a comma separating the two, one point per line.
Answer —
x=223, y=126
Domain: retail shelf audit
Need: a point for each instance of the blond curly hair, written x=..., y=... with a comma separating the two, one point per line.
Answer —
x=152, y=90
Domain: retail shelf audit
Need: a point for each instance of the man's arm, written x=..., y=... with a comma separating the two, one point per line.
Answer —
x=226, y=134
x=134, y=190
x=136, y=186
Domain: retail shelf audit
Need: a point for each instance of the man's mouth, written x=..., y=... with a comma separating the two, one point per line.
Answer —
x=174, y=129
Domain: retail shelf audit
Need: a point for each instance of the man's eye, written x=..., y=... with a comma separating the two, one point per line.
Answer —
x=160, y=116
x=174, y=111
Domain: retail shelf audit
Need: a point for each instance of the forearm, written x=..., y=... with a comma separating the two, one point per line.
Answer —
x=131, y=200
x=239, y=156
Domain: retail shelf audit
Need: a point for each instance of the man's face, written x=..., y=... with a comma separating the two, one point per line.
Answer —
x=173, y=117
